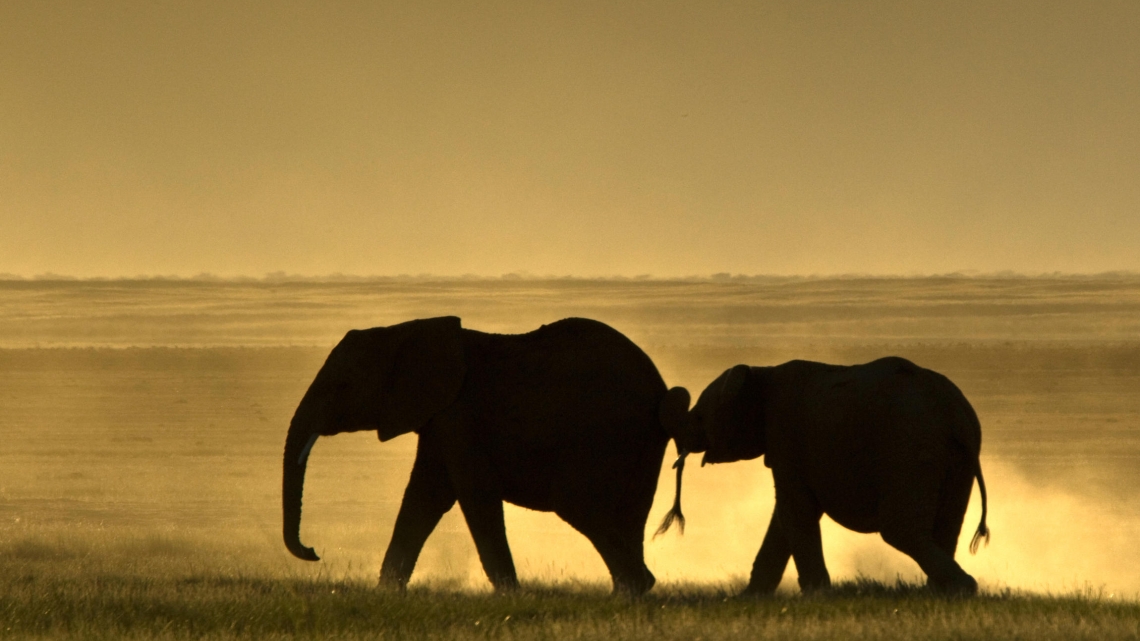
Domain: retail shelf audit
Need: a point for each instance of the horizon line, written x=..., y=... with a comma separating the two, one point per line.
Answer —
x=337, y=277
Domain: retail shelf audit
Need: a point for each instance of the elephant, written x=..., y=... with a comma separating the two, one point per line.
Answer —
x=885, y=446
x=562, y=419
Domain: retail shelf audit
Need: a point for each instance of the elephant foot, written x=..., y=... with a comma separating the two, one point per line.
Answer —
x=962, y=586
x=762, y=586
x=505, y=584
x=818, y=594
x=634, y=586
x=755, y=594
x=393, y=584
x=815, y=585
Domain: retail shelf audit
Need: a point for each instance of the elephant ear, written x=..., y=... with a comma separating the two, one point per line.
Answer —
x=425, y=376
x=732, y=435
x=733, y=383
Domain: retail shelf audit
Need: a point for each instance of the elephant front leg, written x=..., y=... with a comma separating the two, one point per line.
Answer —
x=475, y=480
x=771, y=561
x=484, y=514
x=799, y=515
x=427, y=498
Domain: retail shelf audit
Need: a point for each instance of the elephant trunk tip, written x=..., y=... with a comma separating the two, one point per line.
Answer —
x=297, y=447
x=300, y=551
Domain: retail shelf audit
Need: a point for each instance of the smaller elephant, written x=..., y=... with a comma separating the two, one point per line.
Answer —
x=885, y=447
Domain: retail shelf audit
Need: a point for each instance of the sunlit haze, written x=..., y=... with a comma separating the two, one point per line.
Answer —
x=158, y=138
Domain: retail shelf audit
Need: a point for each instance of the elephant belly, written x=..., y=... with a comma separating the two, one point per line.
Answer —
x=532, y=496
x=855, y=506
x=525, y=477
x=589, y=487
x=864, y=523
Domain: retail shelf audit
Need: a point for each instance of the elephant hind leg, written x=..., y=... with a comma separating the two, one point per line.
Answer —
x=625, y=559
x=427, y=498
x=907, y=523
x=621, y=548
x=953, y=499
x=921, y=516
x=942, y=571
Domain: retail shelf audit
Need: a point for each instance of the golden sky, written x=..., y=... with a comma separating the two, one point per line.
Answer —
x=585, y=138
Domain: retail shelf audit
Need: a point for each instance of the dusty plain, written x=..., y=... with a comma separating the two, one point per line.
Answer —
x=142, y=424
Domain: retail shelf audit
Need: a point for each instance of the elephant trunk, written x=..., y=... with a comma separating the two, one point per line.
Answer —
x=674, y=416
x=298, y=444
x=673, y=413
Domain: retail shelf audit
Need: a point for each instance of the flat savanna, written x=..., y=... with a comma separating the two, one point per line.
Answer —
x=143, y=424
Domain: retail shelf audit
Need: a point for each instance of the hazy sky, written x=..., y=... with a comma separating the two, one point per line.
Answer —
x=568, y=138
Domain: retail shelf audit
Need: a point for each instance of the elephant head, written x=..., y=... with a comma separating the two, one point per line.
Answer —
x=726, y=423
x=389, y=379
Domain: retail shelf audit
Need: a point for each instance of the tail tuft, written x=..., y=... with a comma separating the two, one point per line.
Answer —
x=667, y=522
x=675, y=513
x=982, y=533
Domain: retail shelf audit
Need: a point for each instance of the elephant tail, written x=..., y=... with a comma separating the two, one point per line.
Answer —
x=675, y=513
x=982, y=532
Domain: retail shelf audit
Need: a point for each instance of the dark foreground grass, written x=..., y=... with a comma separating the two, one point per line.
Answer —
x=110, y=605
x=122, y=586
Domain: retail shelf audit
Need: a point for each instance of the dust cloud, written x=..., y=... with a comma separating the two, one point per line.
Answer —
x=1044, y=540
x=146, y=420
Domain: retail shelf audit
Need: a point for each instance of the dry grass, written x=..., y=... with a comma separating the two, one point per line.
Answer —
x=117, y=586
x=70, y=593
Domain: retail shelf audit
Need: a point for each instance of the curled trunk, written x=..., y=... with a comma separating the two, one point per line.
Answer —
x=674, y=416
x=298, y=444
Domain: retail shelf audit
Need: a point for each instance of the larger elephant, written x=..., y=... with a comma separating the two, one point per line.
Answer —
x=563, y=419
x=884, y=447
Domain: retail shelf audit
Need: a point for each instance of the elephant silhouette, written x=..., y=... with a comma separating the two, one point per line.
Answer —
x=563, y=419
x=885, y=447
